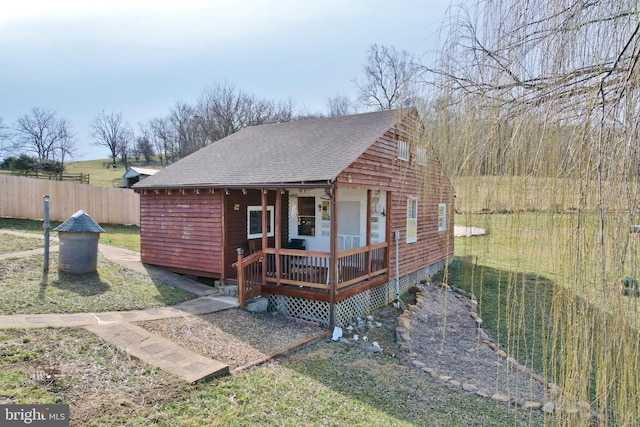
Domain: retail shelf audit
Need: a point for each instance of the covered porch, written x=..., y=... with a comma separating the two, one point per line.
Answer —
x=337, y=261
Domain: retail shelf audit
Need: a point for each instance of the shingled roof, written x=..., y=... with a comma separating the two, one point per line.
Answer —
x=80, y=222
x=306, y=151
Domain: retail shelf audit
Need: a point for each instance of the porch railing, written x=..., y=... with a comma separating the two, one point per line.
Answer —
x=359, y=264
x=249, y=276
x=309, y=269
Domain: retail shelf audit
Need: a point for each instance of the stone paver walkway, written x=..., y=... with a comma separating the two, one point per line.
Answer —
x=115, y=327
x=159, y=352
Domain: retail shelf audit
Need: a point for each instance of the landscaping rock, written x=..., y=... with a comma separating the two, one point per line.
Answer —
x=337, y=333
x=403, y=322
x=499, y=397
x=484, y=392
x=418, y=364
x=549, y=407
x=531, y=405
x=469, y=387
x=257, y=305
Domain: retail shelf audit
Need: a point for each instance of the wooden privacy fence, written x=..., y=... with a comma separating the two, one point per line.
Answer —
x=22, y=198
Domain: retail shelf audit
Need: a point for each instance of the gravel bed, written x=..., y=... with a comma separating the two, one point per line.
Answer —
x=444, y=337
x=234, y=337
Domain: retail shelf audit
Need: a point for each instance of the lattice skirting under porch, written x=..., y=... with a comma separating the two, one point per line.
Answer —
x=357, y=305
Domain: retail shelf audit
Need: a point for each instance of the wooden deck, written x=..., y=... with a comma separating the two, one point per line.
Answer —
x=306, y=274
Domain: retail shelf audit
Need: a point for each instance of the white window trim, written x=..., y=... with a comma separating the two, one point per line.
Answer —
x=421, y=156
x=403, y=150
x=442, y=216
x=410, y=200
x=271, y=222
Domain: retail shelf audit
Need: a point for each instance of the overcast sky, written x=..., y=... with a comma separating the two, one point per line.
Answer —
x=139, y=57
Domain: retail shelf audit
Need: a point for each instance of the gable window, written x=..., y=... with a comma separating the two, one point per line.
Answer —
x=422, y=156
x=412, y=219
x=442, y=216
x=306, y=216
x=403, y=150
x=254, y=222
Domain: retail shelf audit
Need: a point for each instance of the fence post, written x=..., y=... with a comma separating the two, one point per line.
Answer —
x=46, y=225
x=240, y=252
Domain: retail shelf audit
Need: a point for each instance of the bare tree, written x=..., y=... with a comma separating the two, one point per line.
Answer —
x=144, y=147
x=4, y=138
x=188, y=135
x=45, y=134
x=340, y=105
x=220, y=111
x=113, y=132
x=162, y=136
x=388, y=78
x=223, y=110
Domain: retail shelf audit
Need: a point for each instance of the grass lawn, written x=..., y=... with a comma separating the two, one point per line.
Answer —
x=9, y=243
x=123, y=236
x=324, y=384
x=547, y=290
x=25, y=290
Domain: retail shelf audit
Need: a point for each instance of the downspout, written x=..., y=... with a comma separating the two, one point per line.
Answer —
x=396, y=237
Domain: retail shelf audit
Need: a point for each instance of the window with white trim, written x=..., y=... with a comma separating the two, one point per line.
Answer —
x=306, y=216
x=421, y=155
x=442, y=216
x=403, y=150
x=412, y=219
x=254, y=222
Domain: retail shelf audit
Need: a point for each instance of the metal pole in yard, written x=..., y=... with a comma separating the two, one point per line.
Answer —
x=46, y=233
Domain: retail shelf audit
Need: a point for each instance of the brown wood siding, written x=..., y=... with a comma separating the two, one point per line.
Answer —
x=182, y=232
x=236, y=223
x=379, y=168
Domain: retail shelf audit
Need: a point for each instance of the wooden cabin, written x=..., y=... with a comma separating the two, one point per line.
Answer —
x=328, y=218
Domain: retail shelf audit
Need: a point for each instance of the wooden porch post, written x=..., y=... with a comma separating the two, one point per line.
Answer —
x=278, y=234
x=265, y=224
x=367, y=255
x=240, y=277
x=333, y=259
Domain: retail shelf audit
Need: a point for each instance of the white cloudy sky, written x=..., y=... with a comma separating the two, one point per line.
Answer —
x=139, y=57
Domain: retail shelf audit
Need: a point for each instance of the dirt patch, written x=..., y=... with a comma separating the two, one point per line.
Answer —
x=234, y=337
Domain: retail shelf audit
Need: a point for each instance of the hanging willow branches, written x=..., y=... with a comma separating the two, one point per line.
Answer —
x=527, y=54
x=535, y=112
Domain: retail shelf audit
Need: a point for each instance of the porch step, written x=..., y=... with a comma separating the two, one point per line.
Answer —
x=230, y=290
